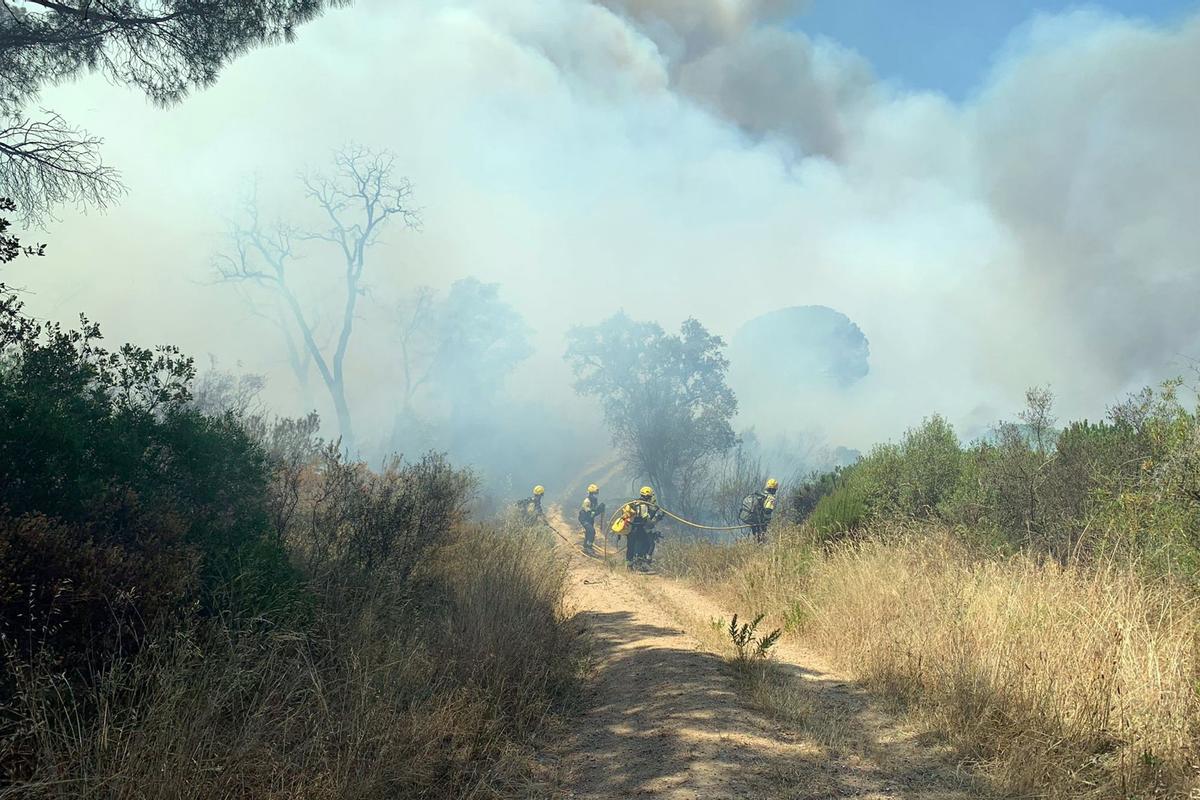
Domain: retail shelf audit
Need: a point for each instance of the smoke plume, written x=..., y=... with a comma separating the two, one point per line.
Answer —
x=698, y=159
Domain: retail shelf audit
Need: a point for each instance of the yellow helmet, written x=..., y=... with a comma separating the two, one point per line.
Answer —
x=539, y=490
x=772, y=485
x=593, y=488
x=647, y=492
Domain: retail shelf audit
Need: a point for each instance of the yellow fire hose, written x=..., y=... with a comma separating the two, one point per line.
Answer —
x=675, y=517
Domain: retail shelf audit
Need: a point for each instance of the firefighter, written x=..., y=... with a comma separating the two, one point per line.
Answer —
x=588, y=511
x=531, y=507
x=757, y=510
x=642, y=536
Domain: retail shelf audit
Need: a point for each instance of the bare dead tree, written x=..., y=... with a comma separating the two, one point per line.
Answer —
x=1038, y=416
x=357, y=200
x=165, y=48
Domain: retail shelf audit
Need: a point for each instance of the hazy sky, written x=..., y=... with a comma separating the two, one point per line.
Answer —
x=999, y=197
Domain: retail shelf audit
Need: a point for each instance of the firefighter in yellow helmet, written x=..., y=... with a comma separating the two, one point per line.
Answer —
x=531, y=507
x=642, y=535
x=757, y=510
x=588, y=511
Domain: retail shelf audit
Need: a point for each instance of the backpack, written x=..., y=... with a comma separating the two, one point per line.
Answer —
x=586, y=515
x=528, y=506
x=749, y=512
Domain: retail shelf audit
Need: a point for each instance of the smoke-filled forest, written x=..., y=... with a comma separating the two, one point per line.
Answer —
x=599, y=398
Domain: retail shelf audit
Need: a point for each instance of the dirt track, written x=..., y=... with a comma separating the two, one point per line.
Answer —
x=666, y=717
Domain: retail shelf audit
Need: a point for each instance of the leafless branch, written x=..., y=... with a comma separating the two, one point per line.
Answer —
x=356, y=200
x=47, y=162
x=165, y=48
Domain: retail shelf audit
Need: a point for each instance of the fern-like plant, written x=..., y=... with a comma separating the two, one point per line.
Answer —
x=749, y=646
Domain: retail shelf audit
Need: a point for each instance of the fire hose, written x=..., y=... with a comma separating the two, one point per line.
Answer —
x=676, y=517
x=621, y=510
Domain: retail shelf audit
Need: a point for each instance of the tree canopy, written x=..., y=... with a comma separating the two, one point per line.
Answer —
x=665, y=397
x=480, y=339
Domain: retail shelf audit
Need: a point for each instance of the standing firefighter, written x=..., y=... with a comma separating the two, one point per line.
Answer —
x=531, y=507
x=757, y=509
x=642, y=514
x=588, y=511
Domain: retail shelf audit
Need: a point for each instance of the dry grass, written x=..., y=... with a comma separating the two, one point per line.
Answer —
x=366, y=701
x=747, y=576
x=1060, y=682
x=1069, y=682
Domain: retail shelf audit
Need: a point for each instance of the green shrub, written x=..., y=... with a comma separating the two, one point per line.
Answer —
x=803, y=498
x=841, y=512
x=195, y=601
x=915, y=478
x=1129, y=484
x=121, y=505
x=931, y=464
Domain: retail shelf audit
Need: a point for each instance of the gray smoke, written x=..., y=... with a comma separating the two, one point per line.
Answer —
x=732, y=59
x=688, y=159
x=1088, y=157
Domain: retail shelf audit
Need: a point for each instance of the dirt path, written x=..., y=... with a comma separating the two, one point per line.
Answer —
x=666, y=717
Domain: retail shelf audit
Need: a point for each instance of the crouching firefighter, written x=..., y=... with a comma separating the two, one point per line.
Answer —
x=643, y=513
x=531, y=507
x=588, y=511
x=757, y=510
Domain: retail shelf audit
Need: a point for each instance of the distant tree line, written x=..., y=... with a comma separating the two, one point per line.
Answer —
x=1127, y=484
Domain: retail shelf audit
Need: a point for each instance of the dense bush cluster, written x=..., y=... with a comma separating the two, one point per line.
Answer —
x=196, y=599
x=121, y=504
x=1127, y=484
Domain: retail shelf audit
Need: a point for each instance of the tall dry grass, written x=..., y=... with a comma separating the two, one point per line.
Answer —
x=1067, y=682
x=364, y=701
x=1060, y=682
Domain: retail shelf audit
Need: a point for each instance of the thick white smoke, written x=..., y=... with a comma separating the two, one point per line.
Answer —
x=693, y=159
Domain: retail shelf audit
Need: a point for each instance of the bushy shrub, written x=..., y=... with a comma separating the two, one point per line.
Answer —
x=358, y=522
x=197, y=601
x=119, y=503
x=931, y=464
x=915, y=478
x=841, y=512
x=803, y=497
x=1129, y=484
x=1150, y=508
